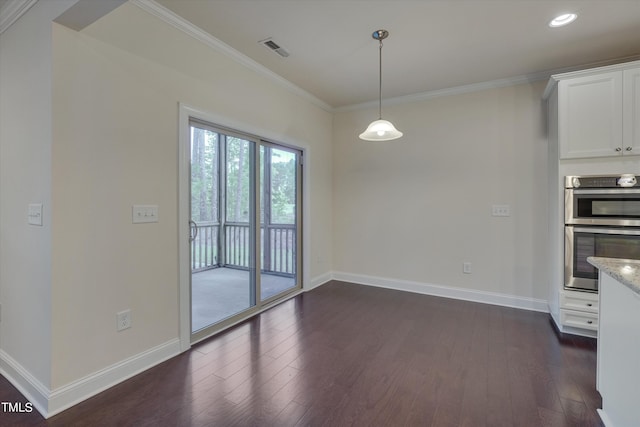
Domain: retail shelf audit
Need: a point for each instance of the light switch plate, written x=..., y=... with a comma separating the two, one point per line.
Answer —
x=34, y=214
x=500, y=210
x=144, y=213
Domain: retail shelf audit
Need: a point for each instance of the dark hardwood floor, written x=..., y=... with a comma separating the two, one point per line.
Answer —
x=346, y=354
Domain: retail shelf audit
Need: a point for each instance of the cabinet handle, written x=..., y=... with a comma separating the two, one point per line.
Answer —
x=629, y=148
x=618, y=149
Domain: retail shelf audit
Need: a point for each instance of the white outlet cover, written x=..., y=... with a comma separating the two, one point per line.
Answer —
x=123, y=320
x=466, y=267
x=34, y=214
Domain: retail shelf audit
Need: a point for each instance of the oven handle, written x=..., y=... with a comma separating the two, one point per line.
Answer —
x=635, y=231
x=604, y=191
x=603, y=222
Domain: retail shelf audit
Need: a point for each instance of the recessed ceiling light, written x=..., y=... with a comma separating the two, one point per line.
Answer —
x=562, y=20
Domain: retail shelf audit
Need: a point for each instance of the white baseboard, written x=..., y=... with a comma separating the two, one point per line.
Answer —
x=578, y=331
x=49, y=403
x=556, y=319
x=318, y=280
x=66, y=396
x=30, y=387
x=605, y=418
x=485, y=297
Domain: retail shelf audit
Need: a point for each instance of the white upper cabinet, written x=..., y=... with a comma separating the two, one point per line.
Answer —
x=590, y=116
x=631, y=110
x=599, y=112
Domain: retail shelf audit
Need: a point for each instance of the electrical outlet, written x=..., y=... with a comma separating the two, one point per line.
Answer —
x=123, y=319
x=466, y=267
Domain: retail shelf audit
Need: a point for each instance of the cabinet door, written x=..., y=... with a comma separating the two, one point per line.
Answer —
x=631, y=111
x=590, y=116
x=618, y=370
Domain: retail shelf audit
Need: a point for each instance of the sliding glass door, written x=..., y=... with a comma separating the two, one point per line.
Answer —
x=279, y=219
x=245, y=218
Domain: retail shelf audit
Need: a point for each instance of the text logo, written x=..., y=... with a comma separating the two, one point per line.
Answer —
x=16, y=407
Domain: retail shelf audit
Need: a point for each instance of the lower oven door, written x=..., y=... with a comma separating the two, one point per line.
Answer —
x=583, y=242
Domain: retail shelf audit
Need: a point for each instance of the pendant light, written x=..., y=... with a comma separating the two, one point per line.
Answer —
x=380, y=130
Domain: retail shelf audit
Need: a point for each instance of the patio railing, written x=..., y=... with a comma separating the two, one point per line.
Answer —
x=204, y=248
x=277, y=247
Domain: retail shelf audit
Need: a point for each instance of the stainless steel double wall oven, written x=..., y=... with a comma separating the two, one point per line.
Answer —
x=602, y=218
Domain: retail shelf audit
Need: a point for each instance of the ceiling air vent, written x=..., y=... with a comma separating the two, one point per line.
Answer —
x=275, y=47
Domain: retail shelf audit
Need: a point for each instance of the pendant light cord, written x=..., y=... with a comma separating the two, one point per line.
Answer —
x=380, y=85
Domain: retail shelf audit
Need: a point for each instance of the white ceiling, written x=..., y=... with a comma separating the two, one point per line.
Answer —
x=432, y=45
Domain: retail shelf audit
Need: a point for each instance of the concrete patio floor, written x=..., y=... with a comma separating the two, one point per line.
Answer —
x=222, y=292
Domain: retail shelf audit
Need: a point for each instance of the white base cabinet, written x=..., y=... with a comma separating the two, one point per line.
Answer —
x=618, y=372
x=579, y=310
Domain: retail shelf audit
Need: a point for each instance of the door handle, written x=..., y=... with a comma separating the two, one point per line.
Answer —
x=193, y=226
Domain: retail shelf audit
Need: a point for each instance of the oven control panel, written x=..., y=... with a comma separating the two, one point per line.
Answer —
x=602, y=181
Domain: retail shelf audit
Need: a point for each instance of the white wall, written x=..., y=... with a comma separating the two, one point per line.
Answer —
x=117, y=85
x=411, y=210
x=414, y=209
x=25, y=177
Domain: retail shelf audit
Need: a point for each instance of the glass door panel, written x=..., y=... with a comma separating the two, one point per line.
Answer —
x=204, y=198
x=223, y=279
x=239, y=234
x=279, y=225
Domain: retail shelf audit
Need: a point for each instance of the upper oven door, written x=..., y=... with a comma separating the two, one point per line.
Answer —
x=619, y=207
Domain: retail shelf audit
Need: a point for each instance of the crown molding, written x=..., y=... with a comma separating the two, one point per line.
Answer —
x=197, y=33
x=492, y=84
x=590, y=69
x=456, y=90
x=12, y=11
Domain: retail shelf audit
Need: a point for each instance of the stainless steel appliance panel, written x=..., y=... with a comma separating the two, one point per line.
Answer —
x=583, y=242
x=620, y=207
x=602, y=218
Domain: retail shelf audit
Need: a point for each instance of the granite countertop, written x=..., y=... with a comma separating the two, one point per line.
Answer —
x=625, y=271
